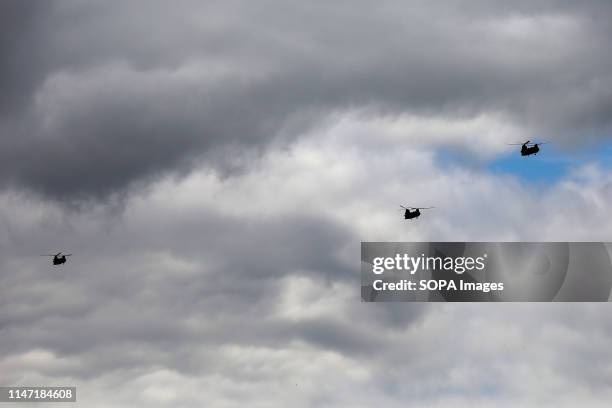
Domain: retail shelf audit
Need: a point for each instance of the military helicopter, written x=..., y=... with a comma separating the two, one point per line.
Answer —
x=528, y=148
x=408, y=214
x=59, y=258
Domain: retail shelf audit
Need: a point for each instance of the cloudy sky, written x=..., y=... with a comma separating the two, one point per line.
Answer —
x=214, y=166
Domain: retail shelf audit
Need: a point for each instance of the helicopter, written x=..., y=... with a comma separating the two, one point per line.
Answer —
x=408, y=214
x=528, y=148
x=58, y=258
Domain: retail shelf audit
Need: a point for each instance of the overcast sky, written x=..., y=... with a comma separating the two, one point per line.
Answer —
x=213, y=167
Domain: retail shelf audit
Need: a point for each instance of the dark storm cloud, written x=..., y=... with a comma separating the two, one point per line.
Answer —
x=99, y=95
x=21, y=48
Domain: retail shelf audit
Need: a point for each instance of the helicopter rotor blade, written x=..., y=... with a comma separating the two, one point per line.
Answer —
x=520, y=143
x=422, y=208
x=67, y=254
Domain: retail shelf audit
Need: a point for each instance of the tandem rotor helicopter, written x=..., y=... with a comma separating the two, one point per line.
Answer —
x=410, y=214
x=528, y=148
x=59, y=258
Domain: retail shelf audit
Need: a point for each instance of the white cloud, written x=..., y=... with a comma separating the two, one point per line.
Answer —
x=214, y=288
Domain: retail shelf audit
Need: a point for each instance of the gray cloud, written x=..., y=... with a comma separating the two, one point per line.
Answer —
x=204, y=293
x=21, y=47
x=211, y=290
x=107, y=95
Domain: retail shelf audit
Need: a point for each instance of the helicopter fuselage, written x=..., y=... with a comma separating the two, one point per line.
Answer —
x=58, y=260
x=408, y=215
x=527, y=150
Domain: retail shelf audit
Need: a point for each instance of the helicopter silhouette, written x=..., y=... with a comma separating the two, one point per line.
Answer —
x=408, y=214
x=59, y=258
x=528, y=148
